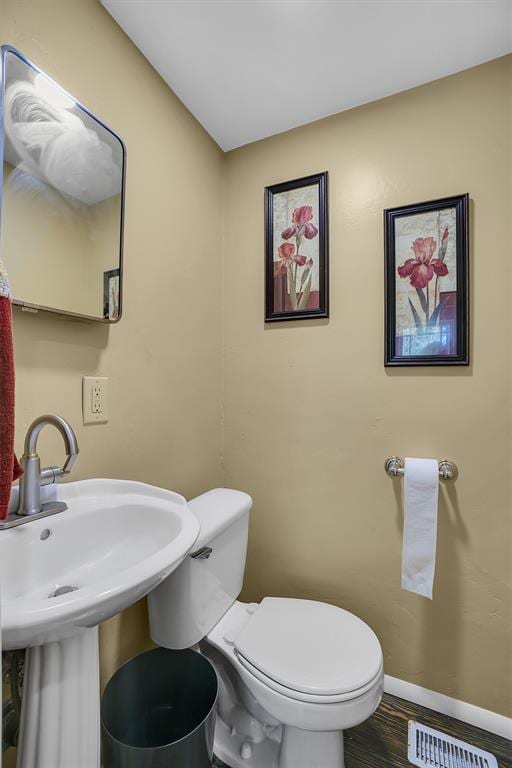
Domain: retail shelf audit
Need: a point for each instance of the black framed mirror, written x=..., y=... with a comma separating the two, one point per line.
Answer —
x=63, y=189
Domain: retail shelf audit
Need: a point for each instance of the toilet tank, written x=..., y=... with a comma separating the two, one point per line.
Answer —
x=192, y=600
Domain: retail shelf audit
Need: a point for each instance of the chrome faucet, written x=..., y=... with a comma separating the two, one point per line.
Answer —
x=34, y=477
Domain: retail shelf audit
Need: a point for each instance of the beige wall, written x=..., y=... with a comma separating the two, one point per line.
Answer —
x=311, y=413
x=163, y=359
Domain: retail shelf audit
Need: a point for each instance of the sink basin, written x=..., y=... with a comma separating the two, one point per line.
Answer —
x=63, y=575
x=115, y=542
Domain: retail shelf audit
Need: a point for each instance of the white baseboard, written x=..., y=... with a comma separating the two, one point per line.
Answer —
x=468, y=713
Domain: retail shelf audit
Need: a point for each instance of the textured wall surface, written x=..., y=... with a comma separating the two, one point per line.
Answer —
x=311, y=413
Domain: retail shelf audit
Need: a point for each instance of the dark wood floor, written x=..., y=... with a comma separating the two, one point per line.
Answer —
x=381, y=742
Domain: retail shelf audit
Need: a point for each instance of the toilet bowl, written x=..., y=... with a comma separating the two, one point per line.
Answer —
x=326, y=690
x=293, y=674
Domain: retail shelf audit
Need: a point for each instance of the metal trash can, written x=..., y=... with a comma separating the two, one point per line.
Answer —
x=158, y=711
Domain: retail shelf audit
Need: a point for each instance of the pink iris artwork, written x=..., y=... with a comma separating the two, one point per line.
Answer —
x=296, y=279
x=427, y=298
x=421, y=269
x=291, y=262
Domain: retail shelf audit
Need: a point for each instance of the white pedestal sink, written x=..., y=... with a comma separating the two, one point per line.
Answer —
x=61, y=577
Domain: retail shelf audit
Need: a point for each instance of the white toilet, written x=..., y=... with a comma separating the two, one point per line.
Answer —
x=293, y=674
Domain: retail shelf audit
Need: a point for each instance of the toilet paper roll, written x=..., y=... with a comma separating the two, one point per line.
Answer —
x=421, y=486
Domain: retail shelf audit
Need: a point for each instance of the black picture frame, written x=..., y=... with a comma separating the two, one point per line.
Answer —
x=460, y=336
x=110, y=313
x=275, y=309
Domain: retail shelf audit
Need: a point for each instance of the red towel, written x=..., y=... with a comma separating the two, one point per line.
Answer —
x=9, y=468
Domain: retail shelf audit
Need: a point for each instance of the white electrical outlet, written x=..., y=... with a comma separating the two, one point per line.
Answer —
x=95, y=399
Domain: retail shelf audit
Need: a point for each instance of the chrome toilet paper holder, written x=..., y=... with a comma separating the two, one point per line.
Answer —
x=394, y=466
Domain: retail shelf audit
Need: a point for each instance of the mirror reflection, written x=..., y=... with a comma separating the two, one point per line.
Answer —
x=62, y=206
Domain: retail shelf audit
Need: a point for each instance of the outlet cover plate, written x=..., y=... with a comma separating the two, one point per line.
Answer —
x=95, y=399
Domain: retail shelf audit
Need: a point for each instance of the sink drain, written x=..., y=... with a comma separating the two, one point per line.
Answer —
x=62, y=591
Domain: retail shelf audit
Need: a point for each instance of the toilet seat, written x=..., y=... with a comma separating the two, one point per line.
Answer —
x=310, y=697
x=309, y=651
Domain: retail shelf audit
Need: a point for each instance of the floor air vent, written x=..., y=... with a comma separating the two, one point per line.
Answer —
x=434, y=749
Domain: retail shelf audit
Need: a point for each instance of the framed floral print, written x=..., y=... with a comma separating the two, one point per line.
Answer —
x=296, y=249
x=427, y=283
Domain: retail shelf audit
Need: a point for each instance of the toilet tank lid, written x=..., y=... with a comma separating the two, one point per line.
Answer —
x=216, y=510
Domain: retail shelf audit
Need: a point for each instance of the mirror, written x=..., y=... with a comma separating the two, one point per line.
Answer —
x=62, y=198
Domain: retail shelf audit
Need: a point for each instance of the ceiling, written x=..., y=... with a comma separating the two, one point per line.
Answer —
x=248, y=69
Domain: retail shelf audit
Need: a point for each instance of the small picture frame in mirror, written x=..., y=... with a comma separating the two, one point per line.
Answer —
x=111, y=295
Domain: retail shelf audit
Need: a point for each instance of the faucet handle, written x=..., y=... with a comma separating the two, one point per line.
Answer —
x=70, y=462
x=50, y=475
